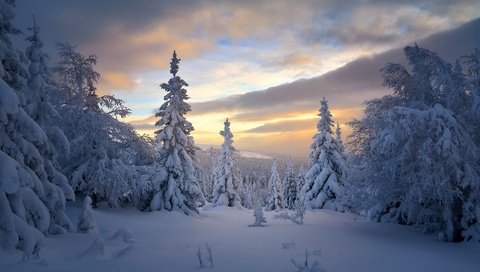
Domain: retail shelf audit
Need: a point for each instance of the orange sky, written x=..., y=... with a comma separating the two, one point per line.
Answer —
x=263, y=64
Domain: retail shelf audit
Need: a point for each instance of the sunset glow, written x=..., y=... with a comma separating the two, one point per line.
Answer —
x=230, y=49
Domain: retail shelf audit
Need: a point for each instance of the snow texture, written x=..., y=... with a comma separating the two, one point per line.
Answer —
x=169, y=242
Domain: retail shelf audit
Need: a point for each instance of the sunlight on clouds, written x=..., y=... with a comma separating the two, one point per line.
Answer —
x=343, y=115
x=112, y=82
x=234, y=48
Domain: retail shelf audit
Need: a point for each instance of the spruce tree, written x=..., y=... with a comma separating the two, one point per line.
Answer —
x=31, y=203
x=228, y=183
x=300, y=181
x=338, y=138
x=179, y=189
x=325, y=177
x=39, y=109
x=275, y=199
x=290, y=186
x=210, y=174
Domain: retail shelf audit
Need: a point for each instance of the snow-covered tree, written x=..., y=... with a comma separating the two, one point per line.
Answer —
x=325, y=178
x=206, y=162
x=471, y=84
x=103, y=149
x=31, y=190
x=290, y=186
x=258, y=215
x=180, y=189
x=421, y=159
x=250, y=187
x=40, y=110
x=226, y=191
x=275, y=199
x=209, y=177
x=300, y=181
x=338, y=138
x=11, y=71
x=296, y=216
x=78, y=79
x=86, y=219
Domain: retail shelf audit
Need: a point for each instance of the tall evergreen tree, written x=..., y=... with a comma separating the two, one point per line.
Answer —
x=40, y=110
x=210, y=174
x=300, y=181
x=31, y=203
x=325, y=177
x=338, y=138
x=228, y=183
x=275, y=199
x=180, y=189
x=290, y=186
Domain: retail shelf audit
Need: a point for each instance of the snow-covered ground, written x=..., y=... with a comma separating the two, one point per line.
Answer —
x=169, y=241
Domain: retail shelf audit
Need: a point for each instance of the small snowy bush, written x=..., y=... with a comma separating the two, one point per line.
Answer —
x=258, y=215
x=86, y=221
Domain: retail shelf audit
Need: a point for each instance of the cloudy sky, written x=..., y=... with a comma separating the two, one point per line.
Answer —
x=263, y=64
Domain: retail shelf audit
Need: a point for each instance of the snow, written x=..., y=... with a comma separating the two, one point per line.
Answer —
x=130, y=240
x=255, y=155
x=8, y=99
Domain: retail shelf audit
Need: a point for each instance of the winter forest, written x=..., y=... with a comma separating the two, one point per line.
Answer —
x=81, y=189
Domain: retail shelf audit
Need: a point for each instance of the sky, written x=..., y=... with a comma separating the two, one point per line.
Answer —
x=263, y=64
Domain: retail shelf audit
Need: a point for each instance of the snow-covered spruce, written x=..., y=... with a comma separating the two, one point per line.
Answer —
x=300, y=181
x=421, y=158
x=275, y=193
x=40, y=110
x=228, y=183
x=86, y=219
x=290, y=186
x=339, y=141
x=206, y=161
x=325, y=177
x=209, y=174
x=27, y=192
x=179, y=190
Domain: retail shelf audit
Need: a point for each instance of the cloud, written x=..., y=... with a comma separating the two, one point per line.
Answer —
x=270, y=113
x=237, y=47
x=137, y=36
x=112, y=80
x=284, y=126
x=290, y=59
x=347, y=86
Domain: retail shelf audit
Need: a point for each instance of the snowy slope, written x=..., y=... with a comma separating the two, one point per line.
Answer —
x=169, y=241
x=254, y=155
